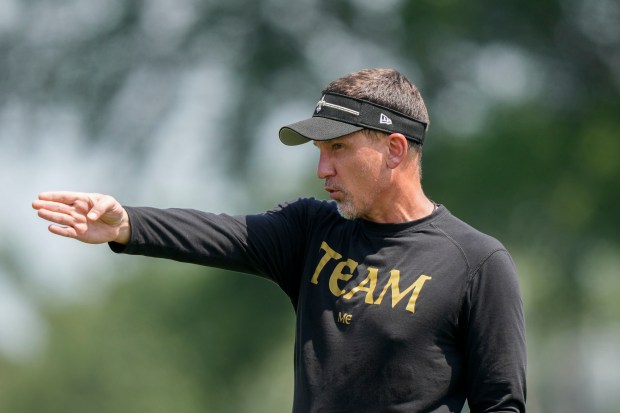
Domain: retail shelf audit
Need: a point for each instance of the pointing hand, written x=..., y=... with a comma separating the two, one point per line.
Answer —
x=87, y=217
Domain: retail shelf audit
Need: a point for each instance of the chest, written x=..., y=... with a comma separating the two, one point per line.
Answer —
x=400, y=287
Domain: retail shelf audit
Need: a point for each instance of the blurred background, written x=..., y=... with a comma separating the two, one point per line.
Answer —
x=177, y=103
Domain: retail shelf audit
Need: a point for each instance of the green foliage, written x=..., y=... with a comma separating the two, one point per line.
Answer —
x=523, y=144
x=171, y=338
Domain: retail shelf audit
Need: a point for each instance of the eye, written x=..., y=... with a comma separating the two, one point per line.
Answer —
x=337, y=145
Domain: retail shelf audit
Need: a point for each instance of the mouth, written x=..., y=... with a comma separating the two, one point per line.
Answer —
x=334, y=192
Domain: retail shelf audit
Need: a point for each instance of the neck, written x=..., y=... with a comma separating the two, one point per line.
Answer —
x=404, y=201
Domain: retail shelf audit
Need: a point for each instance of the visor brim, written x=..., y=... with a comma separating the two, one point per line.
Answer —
x=315, y=129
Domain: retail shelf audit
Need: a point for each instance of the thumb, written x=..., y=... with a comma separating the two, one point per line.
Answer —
x=101, y=205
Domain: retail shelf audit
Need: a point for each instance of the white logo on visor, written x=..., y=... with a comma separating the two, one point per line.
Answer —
x=385, y=120
x=320, y=103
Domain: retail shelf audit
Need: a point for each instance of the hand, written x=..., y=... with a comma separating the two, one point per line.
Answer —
x=87, y=217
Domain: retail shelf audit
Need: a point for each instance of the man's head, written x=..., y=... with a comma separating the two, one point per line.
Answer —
x=369, y=128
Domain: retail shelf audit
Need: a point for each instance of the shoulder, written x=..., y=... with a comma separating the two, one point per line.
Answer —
x=306, y=207
x=474, y=245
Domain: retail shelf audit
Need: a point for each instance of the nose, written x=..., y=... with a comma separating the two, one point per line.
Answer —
x=325, y=168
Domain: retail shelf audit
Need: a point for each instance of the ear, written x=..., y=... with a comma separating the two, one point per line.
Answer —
x=397, y=149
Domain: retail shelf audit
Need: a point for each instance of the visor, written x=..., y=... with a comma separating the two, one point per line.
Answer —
x=337, y=115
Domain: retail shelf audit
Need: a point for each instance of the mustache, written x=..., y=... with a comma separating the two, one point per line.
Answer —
x=333, y=185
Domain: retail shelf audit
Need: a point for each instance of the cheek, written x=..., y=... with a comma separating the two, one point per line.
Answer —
x=371, y=171
x=366, y=181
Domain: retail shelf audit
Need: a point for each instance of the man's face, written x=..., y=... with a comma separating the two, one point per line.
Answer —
x=355, y=173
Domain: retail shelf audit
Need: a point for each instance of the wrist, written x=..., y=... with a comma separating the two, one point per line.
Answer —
x=124, y=230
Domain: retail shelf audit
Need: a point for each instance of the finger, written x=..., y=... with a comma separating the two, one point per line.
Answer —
x=52, y=206
x=73, y=214
x=63, y=231
x=65, y=197
x=71, y=220
x=36, y=204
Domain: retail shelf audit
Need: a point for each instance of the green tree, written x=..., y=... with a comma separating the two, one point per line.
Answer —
x=523, y=144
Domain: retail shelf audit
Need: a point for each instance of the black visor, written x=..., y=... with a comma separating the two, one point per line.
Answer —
x=337, y=115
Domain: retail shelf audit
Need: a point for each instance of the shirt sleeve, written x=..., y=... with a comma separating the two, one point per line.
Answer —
x=495, y=338
x=267, y=244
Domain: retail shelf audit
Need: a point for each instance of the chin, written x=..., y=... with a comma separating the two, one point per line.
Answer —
x=347, y=210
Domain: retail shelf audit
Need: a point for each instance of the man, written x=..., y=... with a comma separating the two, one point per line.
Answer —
x=401, y=307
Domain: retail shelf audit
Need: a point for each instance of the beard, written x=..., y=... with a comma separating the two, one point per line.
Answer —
x=347, y=209
x=350, y=207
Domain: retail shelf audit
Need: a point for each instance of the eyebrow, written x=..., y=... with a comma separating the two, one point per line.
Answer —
x=316, y=142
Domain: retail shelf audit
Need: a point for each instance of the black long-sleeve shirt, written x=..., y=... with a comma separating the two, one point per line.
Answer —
x=413, y=317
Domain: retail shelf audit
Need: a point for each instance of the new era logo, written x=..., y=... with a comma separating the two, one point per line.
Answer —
x=385, y=120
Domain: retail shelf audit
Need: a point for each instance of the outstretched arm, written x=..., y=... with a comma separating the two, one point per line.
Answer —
x=87, y=217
